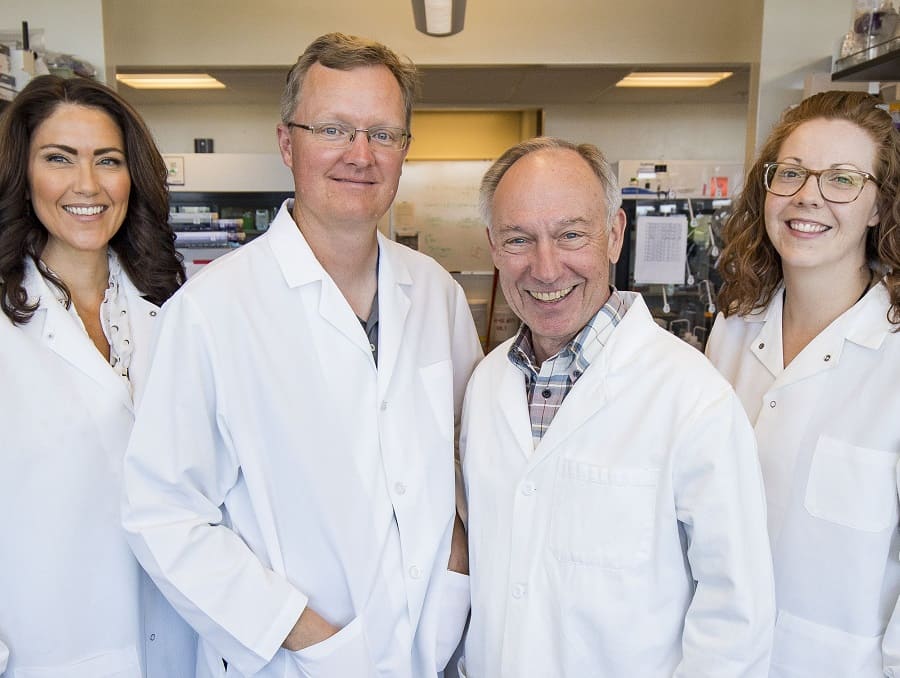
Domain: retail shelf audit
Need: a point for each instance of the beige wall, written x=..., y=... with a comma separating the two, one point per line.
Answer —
x=671, y=132
x=273, y=32
x=798, y=39
x=70, y=26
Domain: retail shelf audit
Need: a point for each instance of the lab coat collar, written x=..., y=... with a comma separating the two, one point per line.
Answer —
x=59, y=332
x=865, y=324
x=590, y=394
x=299, y=267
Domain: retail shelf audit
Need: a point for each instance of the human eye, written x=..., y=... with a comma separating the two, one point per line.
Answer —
x=843, y=178
x=111, y=161
x=386, y=136
x=57, y=158
x=332, y=131
x=515, y=244
x=789, y=172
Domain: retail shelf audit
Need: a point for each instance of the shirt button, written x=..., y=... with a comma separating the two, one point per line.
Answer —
x=546, y=393
x=399, y=488
x=771, y=403
x=827, y=357
x=152, y=314
x=372, y=348
x=152, y=636
x=518, y=591
x=528, y=488
x=415, y=572
x=383, y=405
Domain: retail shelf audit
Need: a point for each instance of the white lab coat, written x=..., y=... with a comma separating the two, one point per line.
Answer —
x=828, y=430
x=631, y=541
x=74, y=602
x=270, y=459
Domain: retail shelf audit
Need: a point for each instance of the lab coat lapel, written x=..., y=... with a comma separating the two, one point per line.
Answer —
x=300, y=268
x=587, y=397
x=394, y=280
x=57, y=330
x=513, y=403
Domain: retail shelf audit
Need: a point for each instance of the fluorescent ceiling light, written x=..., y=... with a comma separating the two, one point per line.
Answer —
x=439, y=18
x=687, y=79
x=169, y=81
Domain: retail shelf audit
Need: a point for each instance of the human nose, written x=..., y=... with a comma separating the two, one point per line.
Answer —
x=359, y=152
x=86, y=180
x=545, y=264
x=810, y=193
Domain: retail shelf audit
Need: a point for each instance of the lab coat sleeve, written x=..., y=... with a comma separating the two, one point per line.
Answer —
x=466, y=355
x=4, y=656
x=890, y=644
x=455, y=597
x=720, y=503
x=179, y=467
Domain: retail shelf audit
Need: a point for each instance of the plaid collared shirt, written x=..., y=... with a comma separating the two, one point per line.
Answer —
x=547, y=386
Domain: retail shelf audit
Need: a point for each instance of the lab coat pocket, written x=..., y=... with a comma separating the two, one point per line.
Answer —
x=122, y=663
x=852, y=486
x=603, y=516
x=805, y=649
x=437, y=383
x=344, y=654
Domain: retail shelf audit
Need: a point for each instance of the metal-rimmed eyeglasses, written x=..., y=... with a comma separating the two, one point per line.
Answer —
x=836, y=185
x=339, y=135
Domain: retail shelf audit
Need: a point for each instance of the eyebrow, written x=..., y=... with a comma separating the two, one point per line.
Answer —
x=834, y=165
x=73, y=151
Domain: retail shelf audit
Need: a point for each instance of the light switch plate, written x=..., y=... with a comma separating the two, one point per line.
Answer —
x=175, y=169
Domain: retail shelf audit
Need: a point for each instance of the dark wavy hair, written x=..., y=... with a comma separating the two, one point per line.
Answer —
x=750, y=265
x=144, y=243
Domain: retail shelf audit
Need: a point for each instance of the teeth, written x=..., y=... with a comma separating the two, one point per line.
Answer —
x=551, y=296
x=807, y=227
x=84, y=211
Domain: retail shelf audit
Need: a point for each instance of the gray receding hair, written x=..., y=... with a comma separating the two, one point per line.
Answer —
x=591, y=154
x=346, y=52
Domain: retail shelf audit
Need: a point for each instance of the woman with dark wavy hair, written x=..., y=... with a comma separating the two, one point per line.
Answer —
x=809, y=339
x=86, y=257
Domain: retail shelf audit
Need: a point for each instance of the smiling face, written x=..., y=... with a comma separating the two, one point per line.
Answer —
x=551, y=245
x=78, y=180
x=807, y=231
x=352, y=186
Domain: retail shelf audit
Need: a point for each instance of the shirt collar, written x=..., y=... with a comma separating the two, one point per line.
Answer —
x=577, y=355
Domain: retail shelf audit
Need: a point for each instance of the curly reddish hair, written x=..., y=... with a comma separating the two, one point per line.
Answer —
x=750, y=265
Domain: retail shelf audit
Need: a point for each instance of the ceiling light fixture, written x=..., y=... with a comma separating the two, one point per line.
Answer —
x=169, y=81
x=684, y=79
x=439, y=18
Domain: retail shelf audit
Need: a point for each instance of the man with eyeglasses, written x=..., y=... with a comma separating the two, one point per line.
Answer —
x=290, y=481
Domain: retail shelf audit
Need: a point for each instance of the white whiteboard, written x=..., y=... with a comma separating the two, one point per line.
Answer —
x=438, y=200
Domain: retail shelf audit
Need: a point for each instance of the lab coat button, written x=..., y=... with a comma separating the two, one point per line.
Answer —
x=518, y=591
x=152, y=636
x=827, y=357
x=528, y=488
x=762, y=345
x=399, y=488
x=383, y=405
x=772, y=403
x=415, y=572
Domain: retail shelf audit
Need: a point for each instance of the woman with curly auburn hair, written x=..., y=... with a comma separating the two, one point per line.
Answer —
x=86, y=257
x=809, y=339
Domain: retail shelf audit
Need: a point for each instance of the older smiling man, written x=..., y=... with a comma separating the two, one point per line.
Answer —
x=616, y=512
